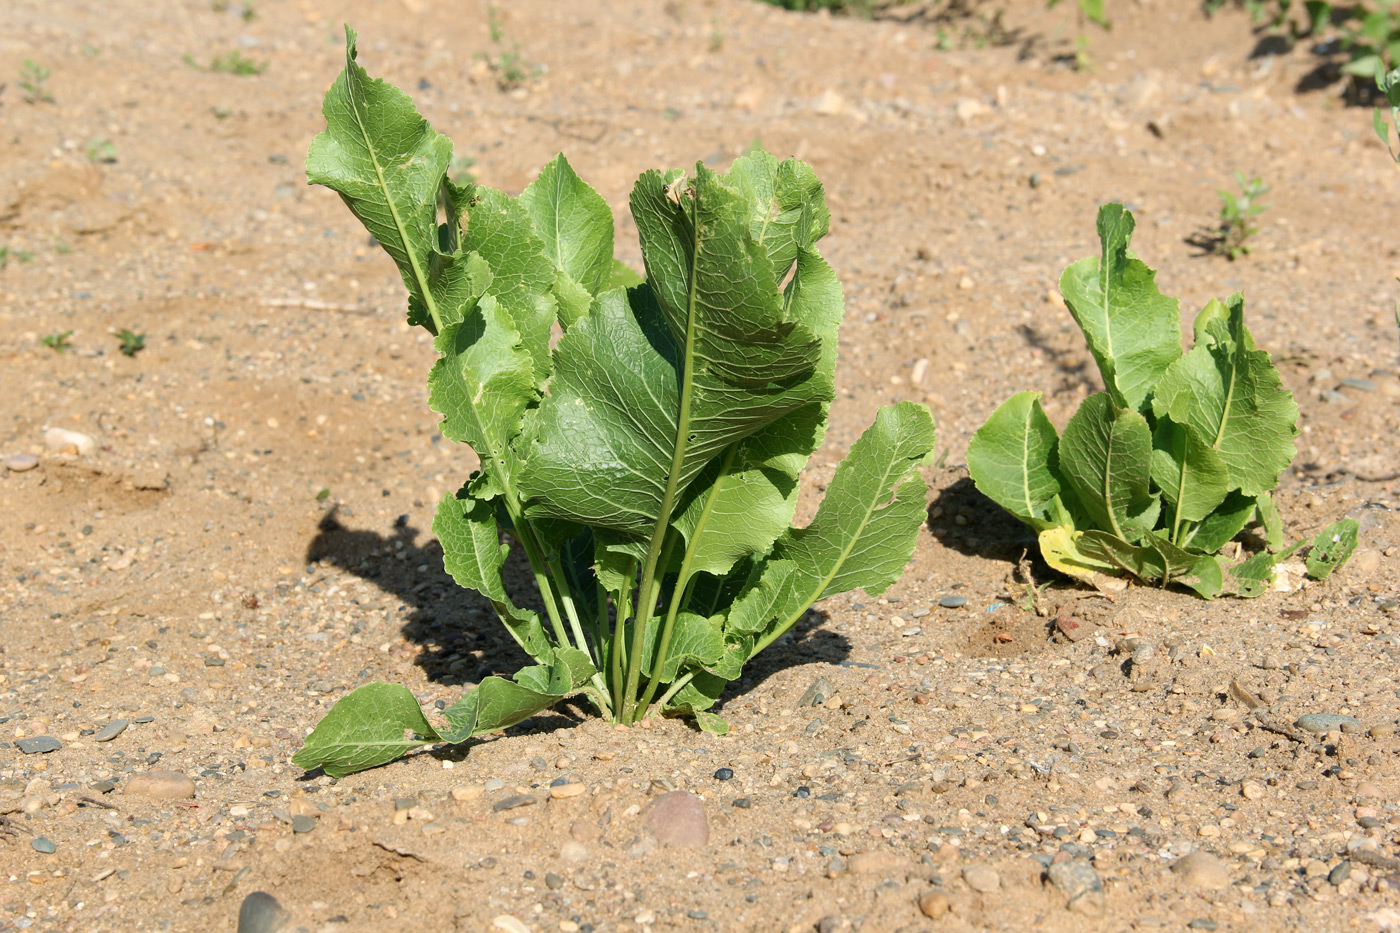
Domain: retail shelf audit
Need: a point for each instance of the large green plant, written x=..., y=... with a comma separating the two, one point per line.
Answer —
x=1154, y=475
x=641, y=441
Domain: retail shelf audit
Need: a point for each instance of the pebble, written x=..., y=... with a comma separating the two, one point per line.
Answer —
x=817, y=694
x=1325, y=722
x=44, y=844
x=724, y=774
x=39, y=744
x=1369, y=789
x=564, y=791
x=260, y=913
x=933, y=904
x=877, y=863
x=61, y=440
x=510, y=924
x=573, y=851
x=981, y=878
x=162, y=785
x=1200, y=869
x=21, y=463
x=1081, y=885
x=467, y=791
x=494, y=784
x=513, y=802
x=1337, y=875
x=953, y=602
x=303, y=824
x=678, y=819
x=110, y=731
x=1364, y=385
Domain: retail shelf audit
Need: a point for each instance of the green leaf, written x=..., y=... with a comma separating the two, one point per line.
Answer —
x=1061, y=548
x=701, y=693
x=366, y=728
x=1106, y=459
x=864, y=530
x=574, y=224
x=709, y=722
x=472, y=552
x=1231, y=394
x=1331, y=548
x=1252, y=578
x=388, y=165
x=1142, y=561
x=1012, y=459
x=623, y=276
x=1222, y=525
x=1192, y=476
x=1271, y=520
x=788, y=209
x=696, y=641
x=497, y=703
x=1133, y=331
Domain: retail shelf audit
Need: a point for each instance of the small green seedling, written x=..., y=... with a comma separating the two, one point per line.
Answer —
x=101, y=150
x=1086, y=11
x=32, y=80
x=1389, y=86
x=647, y=462
x=234, y=63
x=131, y=342
x=1155, y=475
x=509, y=66
x=18, y=255
x=1237, y=213
x=57, y=341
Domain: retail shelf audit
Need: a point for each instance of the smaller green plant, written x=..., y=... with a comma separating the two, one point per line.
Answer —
x=101, y=150
x=1237, y=213
x=509, y=66
x=1389, y=87
x=1086, y=11
x=131, y=342
x=57, y=341
x=19, y=255
x=246, y=11
x=234, y=63
x=62, y=246
x=33, y=78
x=1153, y=477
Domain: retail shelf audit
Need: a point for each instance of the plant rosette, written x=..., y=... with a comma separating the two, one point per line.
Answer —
x=640, y=438
x=1154, y=476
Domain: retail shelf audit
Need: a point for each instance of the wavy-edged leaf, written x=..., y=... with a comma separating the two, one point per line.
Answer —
x=1105, y=457
x=1060, y=548
x=497, y=703
x=1233, y=396
x=573, y=222
x=1012, y=459
x=1222, y=525
x=788, y=206
x=1192, y=476
x=1133, y=330
x=473, y=553
x=368, y=727
x=1331, y=548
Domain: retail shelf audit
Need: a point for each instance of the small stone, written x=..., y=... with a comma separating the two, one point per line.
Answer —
x=830, y=104
x=39, y=745
x=510, y=924
x=21, y=463
x=60, y=440
x=110, y=731
x=303, y=824
x=953, y=602
x=467, y=791
x=833, y=923
x=724, y=774
x=1325, y=722
x=564, y=791
x=44, y=845
x=1081, y=885
x=817, y=694
x=162, y=785
x=1337, y=875
x=573, y=851
x=1252, y=790
x=1362, y=385
x=260, y=913
x=513, y=802
x=494, y=784
x=933, y=904
x=1202, y=870
x=553, y=881
x=678, y=819
x=1202, y=923
x=1369, y=789
x=981, y=878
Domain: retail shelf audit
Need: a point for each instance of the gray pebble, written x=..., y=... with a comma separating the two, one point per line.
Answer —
x=1081, y=885
x=21, y=463
x=1341, y=873
x=953, y=602
x=1201, y=923
x=981, y=878
x=553, y=881
x=44, y=845
x=1325, y=722
x=260, y=913
x=1364, y=385
x=301, y=823
x=494, y=784
x=110, y=731
x=405, y=803
x=39, y=744
x=514, y=801
x=817, y=694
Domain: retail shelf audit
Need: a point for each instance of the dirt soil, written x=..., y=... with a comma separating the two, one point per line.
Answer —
x=246, y=538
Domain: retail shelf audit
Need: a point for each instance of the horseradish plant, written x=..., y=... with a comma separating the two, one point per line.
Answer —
x=1155, y=475
x=640, y=440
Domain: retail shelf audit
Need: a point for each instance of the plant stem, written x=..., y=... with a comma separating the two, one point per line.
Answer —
x=675, y=688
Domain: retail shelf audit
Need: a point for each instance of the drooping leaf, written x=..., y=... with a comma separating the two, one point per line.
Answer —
x=472, y=552
x=1133, y=330
x=574, y=224
x=1233, y=396
x=1105, y=457
x=1141, y=560
x=1060, y=547
x=1253, y=577
x=864, y=530
x=1331, y=548
x=702, y=692
x=1012, y=458
x=1222, y=525
x=497, y=703
x=368, y=727
x=709, y=722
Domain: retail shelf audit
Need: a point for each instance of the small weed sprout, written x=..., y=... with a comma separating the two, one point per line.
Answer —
x=19, y=255
x=32, y=79
x=131, y=342
x=1389, y=86
x=101, y=150
x=510, y=67
x=57, y=341
x=233, y=63
x=1237, y=213
x=1085, y=10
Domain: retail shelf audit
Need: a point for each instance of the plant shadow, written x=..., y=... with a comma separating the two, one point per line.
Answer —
x=461, y=640
x=964, y=519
